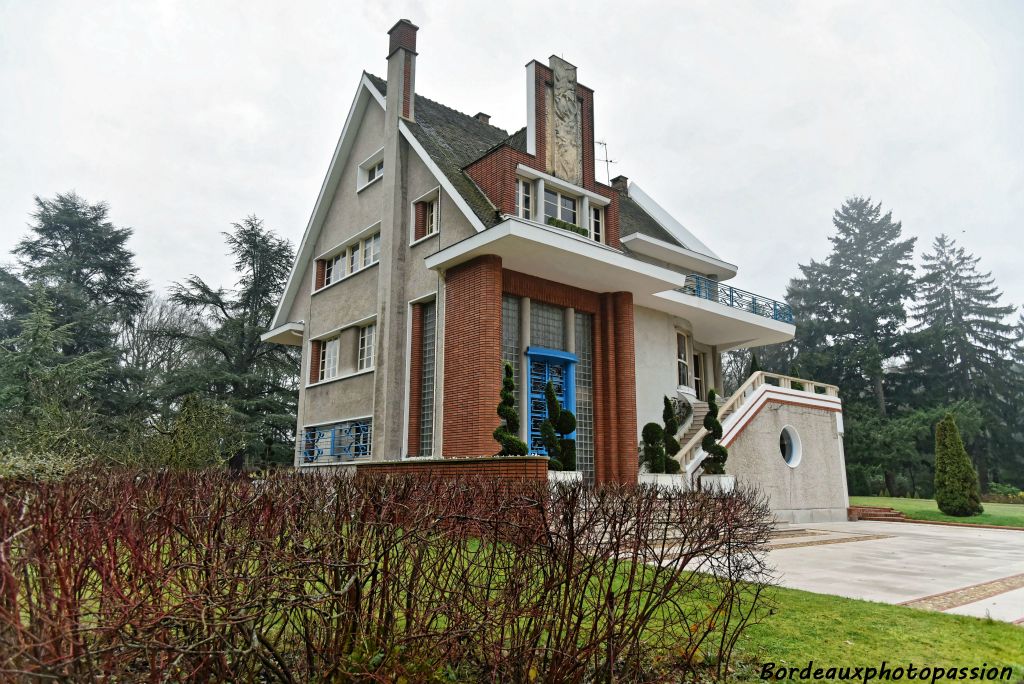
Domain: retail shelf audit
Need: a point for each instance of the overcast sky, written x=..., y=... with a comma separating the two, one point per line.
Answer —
x=750, y=122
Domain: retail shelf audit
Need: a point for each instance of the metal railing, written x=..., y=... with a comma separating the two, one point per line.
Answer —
x=706, y=288
x=349, y=441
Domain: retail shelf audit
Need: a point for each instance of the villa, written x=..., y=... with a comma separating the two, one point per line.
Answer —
x=442, y=247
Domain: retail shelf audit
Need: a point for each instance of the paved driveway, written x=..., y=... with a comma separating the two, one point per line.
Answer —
x=954, y=569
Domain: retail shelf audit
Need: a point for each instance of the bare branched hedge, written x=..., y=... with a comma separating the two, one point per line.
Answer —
x=201, y=577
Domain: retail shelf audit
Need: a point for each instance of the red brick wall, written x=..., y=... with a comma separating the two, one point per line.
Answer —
x=472, y=357
x=496, y=172
x=507, y=467
x=415, y=381
x=407, y=82
x=314, y=360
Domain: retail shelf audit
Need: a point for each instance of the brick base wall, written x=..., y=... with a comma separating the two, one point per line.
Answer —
x=510, y=467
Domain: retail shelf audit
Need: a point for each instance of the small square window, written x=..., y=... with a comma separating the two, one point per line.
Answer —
x=375, y=171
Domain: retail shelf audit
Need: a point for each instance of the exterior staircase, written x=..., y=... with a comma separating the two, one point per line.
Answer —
x=700, y=409
x=876, y=513
x=691, y=455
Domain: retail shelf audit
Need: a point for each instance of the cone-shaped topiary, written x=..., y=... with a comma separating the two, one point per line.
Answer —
x=507, y=434
x=754, y=365
x=714, y=463
x=956, y=481
x=555, y=431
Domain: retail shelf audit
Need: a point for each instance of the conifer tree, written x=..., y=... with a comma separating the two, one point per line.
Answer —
x=956, y=482
x=965, y=343
x=507, y=434
x=672, y=446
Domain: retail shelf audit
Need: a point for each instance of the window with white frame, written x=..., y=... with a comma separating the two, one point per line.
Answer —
x=329, y=358
x=431, y=218
x=366, y=345
x=559, y=206
x=524, y=199
x=597, y=224
x=370, y=170
x=350, y=259
x=683, y=359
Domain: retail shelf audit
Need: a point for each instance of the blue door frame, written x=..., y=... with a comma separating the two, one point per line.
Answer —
x=542, y=365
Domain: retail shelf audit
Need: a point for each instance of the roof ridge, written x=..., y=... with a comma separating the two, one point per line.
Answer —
x=444, y=106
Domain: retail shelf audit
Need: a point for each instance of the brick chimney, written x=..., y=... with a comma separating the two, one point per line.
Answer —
x=402, y=68
x=482, y=118
x=621, y=185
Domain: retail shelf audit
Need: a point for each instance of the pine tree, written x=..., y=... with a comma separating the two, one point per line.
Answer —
x=256, y=379
x=965, y=344
x=83, y=263
x=852, y=306
x=956, y=482
x=754, y=365
x=507, y=434
x=851, y=310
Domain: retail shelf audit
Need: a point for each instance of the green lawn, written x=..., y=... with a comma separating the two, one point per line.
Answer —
x=836, y=631
x=925, y=509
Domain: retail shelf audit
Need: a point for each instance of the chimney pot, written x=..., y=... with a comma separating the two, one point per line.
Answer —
x=621, y=184
x=483, y=118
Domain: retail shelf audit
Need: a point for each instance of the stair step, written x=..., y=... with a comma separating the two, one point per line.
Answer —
x=874, y=513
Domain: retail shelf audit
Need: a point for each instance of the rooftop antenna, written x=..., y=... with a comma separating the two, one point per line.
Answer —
x=606, y=160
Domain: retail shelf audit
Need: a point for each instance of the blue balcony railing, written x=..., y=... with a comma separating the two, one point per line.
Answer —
x=348, y=441
x=706, y=288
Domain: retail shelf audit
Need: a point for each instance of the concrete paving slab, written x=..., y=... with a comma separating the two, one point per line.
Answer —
x=908, y=562
x=1008, y=607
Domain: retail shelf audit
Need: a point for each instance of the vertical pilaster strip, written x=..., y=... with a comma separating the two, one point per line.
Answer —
x=415, y=381
x=472, y=357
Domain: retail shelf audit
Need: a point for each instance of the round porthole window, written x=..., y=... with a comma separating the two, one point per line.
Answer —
x=789, y=445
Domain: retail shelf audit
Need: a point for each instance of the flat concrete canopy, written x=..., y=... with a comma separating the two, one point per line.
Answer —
x=961, y=570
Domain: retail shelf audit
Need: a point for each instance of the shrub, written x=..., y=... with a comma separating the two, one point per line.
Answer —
x=658, y=444
x=555, y=431
x=199, y=576
x=507, y=434
x=714, y=462
x=956, y=482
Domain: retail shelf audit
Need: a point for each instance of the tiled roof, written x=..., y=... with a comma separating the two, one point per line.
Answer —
x=453, y=140
x=633, y=219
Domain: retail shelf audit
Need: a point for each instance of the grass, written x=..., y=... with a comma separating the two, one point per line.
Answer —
x=1011, y=515
x=840, y=632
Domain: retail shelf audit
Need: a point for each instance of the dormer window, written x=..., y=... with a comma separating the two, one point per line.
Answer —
x=524, y=199
x=559, y=206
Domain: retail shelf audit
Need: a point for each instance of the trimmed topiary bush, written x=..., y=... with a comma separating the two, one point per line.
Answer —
x=714, y=463
x=956, y=482
x=555, y=431
x=507, y=434
x=652, y=448
x=672, y=446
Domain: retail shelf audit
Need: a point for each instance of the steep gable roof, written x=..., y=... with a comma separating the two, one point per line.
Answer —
x=453, y=140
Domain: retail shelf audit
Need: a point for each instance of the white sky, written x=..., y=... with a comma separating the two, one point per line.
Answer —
x=750, y=122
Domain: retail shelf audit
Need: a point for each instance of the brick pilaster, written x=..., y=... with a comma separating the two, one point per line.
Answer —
x=415, y=381
x=472, y=357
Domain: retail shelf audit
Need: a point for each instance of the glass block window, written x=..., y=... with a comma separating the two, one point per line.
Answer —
x=510, y=339
x=547, y=326
x=427, y=385
x=585, y=395
x=346, y=441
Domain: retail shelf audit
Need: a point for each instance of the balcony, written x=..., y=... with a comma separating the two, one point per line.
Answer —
x=735, y=298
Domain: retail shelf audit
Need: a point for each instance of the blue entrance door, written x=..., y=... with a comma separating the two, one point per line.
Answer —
x=558, y=368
